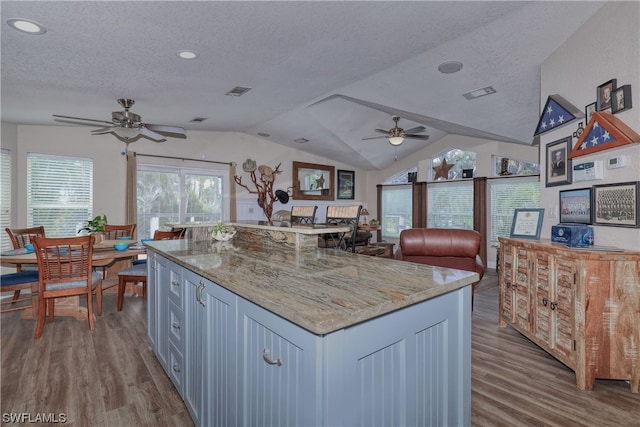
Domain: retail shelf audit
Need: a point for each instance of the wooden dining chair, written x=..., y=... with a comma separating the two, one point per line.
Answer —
x=113, y=232
x=65, y=269
x=16, y=282
x=137, y=273
x=19, y=238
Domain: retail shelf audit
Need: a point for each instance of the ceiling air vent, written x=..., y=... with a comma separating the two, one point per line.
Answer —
x=198, y=120
x=479, y=92
x=238, y=91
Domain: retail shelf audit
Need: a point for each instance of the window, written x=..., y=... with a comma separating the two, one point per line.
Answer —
x=59, y=193
x=396, y=209
x=450, y=205
x=507, y=195
x=177, y=195
x=458, y=160
x=504, y=166
x=5, y=198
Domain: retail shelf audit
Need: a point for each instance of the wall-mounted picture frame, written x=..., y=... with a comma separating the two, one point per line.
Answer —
x=575, y=206
x=604, y=94
x=621, y=99
x=312, y=181
x=589, y=109
x=616, y=205
x=346, y=184
x=558, y=162
x=527, y=223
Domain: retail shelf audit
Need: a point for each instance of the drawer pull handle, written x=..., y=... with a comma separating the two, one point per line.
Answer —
x=176, y=325
x=265, y=356
x=199, y=293
x=176, y=367
x=175, y=283
x=554, y=305
x=545, y=301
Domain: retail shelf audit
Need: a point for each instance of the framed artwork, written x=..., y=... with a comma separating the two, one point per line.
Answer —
x=604, y=94
x=589, y=110
x=575, y=206
x=621, y=99
x=557, y=112
x=312, y=181
x=558, y=163
x=346, y=184
x=605, y=131
x=616, y=204
x=527, y=223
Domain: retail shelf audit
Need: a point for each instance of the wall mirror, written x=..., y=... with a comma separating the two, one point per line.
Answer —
x=313, y=182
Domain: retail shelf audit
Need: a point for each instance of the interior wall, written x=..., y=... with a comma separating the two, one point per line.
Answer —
x=110, y=164
x=606, y=47
x=9, y=141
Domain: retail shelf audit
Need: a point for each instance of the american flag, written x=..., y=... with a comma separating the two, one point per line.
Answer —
x=555, y=114
x=597, y=135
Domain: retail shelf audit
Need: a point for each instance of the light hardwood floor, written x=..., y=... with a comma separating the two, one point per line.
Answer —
x=111, y=378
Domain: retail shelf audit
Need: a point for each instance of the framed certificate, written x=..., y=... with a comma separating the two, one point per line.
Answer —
x=527, y=223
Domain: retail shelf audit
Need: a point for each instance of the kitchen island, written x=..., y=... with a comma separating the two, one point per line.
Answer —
x=261, y=334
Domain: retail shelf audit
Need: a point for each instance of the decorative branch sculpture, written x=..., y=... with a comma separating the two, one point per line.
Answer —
x=263, y=185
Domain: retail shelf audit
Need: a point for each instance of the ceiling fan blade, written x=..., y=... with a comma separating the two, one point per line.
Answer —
x=422, y=137
x=385, y=131
x=80, y=118
x=374, y=137
x=152, y=135
x=416, y=129
x=102, y=130
x=166, y=129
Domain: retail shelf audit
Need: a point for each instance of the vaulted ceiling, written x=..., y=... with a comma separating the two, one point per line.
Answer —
x=329, y=72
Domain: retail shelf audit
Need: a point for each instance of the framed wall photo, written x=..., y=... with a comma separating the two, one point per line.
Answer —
x=527, y=223
x=575, y=206
x=346, y=184
x=616, y=204
x=604, y=94
x=621, y=99
x=588, y=111
x=558, y=162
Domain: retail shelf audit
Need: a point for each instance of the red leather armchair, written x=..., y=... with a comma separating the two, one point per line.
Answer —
x=442, y=247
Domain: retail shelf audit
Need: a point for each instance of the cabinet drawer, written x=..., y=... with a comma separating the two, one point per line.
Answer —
x=175, y=327
x=176, y=291
x=175, y=368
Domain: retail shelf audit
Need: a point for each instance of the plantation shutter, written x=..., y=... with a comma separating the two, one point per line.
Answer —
x=450, y=205
x=507, y=195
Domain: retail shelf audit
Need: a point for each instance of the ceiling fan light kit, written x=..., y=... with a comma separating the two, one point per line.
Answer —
x=127, y=126
x=396, y=135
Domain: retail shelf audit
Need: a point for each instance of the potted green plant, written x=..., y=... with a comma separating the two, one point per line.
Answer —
x=95, y=225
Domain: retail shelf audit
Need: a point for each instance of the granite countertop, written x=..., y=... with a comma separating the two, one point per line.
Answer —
x=321, y=290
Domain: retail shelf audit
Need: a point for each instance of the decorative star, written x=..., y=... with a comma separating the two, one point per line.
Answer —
x=442, y=171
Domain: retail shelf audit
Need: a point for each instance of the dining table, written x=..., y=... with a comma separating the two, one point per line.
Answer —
x=104, y=256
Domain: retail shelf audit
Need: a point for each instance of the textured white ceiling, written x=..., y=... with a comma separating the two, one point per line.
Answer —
x=330, y=72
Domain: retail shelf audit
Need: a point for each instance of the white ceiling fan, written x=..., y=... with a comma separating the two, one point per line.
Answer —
x=127, y=126
x=397, y=135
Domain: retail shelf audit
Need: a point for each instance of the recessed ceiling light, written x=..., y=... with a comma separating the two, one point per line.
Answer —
x=450, y=67
x=26, y=26
x=187, y=54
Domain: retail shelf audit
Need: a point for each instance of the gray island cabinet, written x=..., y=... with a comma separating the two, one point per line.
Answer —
x=256, y=336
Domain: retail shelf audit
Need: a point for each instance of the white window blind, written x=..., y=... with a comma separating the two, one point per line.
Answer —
x=450, y=205
x=507, y=195
x=396, y=209
x=5, y=198
x=59, y=193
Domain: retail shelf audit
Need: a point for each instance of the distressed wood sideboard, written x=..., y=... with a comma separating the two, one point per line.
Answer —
x=581, y=306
